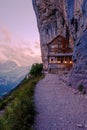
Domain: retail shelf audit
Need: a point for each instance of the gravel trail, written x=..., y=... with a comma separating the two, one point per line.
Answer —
x=59, y=107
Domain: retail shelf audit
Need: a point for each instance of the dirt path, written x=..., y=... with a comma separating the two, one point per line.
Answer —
x=59, y=107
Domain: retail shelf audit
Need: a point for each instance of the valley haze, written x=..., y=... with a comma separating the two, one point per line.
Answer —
x=10, y=76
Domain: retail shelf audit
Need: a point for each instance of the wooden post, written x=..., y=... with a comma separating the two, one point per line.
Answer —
x=64, y=60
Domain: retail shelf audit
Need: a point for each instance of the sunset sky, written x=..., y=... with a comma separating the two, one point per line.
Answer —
x=19, y=38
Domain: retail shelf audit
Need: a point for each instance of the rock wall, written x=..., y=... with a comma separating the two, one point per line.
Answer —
x=79, y=72
x=67, y=18
x=51, y=20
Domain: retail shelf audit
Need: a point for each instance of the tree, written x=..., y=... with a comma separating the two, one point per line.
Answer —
x=36, y=69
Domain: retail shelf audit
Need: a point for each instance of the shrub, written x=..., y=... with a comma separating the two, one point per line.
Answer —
x=20, y=113
x=81, y=88
x=36, y=69
x=63, y=21
x=76, y=25
x=72, y=21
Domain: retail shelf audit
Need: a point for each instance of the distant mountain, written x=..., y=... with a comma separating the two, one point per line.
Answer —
x=10, y=76
x=7, y=66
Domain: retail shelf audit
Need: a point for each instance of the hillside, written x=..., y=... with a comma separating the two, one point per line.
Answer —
x=17, y=110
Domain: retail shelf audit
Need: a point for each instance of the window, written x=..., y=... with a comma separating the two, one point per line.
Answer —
x=58, y=60
x=52, y=46
x=59, y=45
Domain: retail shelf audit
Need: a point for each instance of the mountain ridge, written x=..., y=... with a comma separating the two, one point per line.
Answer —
x=10, y=76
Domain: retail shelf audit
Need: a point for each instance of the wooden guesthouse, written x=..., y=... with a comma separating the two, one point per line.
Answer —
x=59, y=54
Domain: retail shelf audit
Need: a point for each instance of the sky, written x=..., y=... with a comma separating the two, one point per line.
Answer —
x=19, y=37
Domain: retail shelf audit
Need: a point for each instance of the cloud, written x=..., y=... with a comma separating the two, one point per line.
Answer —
x=37, y=45
x=2, y=57
x=22, y=56
x=6, y=34
x=22, y=52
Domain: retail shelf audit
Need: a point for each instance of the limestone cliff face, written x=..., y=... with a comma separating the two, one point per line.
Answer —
x=79, y=72
x=68, y=18
x=51, y=19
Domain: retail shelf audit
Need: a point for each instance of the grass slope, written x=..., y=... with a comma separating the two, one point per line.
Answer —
x=20, y=110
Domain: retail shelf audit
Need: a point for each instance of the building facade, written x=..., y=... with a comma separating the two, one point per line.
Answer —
x=59, y=54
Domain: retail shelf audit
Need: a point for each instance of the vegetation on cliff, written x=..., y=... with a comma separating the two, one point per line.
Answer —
x=20, y=111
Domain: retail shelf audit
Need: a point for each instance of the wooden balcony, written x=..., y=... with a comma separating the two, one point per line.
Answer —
x=60, y=54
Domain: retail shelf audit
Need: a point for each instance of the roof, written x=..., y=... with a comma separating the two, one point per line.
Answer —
x=56, y=38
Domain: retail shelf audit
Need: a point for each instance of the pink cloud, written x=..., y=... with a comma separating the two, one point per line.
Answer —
x=37, y=45
x=23, y=53
x=21, y=56
x=6, y=34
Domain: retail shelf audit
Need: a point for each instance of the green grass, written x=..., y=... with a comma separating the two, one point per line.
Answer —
x=19, y=107
x=80, y=88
